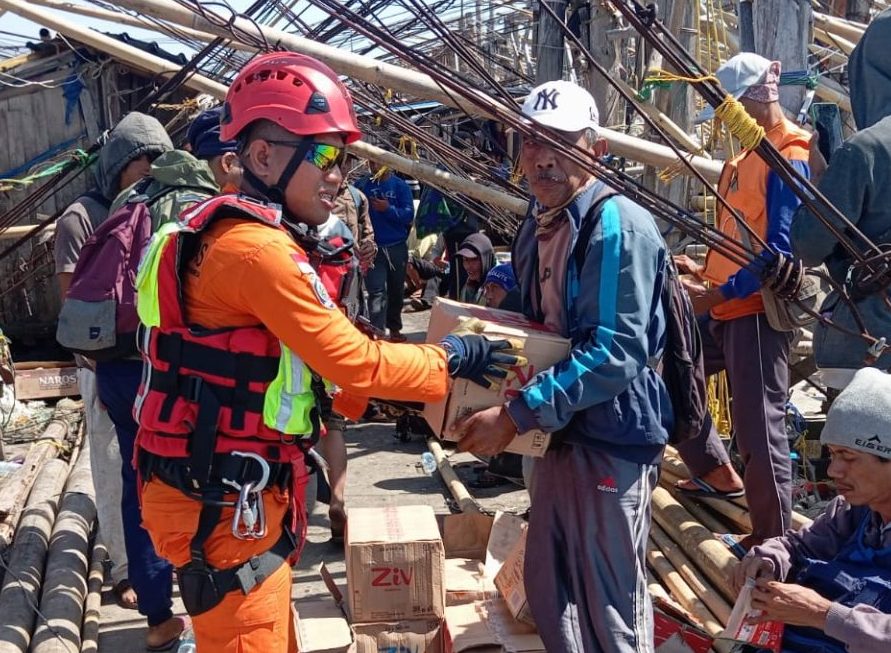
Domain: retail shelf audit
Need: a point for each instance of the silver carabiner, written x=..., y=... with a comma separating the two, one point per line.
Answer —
x=264, y=466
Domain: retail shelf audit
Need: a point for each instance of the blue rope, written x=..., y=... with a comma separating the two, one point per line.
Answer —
x=40, y=158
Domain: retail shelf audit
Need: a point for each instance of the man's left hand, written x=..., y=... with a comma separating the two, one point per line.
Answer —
x=485, y=433
x=792, y=604
x=704, y=299
x=380, y=204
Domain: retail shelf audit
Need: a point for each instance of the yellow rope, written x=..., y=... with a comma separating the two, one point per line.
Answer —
x=733, y=114
x=191, y=103
x=660, y=75
x=409, y=147
x=719, y=402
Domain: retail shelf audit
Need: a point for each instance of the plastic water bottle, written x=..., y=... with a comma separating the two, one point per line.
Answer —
x=187, y=642
x=428, y=462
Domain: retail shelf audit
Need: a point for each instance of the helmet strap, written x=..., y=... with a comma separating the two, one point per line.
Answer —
x=276, y=193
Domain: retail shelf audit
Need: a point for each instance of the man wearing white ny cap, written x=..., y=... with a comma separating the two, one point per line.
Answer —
x=590, y=264
x=830, y=582
x=738, y=336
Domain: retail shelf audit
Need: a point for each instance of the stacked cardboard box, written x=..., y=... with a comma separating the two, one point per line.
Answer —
x=395, y=565
x=541, y=347
x=410, y=574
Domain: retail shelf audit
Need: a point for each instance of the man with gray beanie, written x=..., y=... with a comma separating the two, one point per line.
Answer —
x=590, y=264
x=830, y=582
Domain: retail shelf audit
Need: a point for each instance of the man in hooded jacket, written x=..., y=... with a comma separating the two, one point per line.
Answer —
x=857, y=183
x=124, y=159
x=477, y=258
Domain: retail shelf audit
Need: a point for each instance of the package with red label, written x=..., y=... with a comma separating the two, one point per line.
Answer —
x=541, y=347
x=394, y=564
x=767, y=634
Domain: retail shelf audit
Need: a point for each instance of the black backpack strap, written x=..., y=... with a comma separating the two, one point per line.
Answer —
x=586, y=229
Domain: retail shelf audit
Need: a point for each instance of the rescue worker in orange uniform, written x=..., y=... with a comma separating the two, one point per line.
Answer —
x=236, y=321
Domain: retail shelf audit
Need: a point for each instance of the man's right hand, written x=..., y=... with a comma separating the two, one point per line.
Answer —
x=474, y=357
x=687, y=265
x=751, y=567
x=815, y=160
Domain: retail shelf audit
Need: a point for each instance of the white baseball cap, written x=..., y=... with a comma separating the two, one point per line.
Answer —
x=563, y=106
x=737, y=75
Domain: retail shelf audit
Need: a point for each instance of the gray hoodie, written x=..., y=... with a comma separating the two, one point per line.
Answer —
x=135, y=135
x=858, y=182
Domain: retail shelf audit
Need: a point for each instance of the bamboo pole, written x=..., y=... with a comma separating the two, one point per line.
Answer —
x=693, y=577
x=851, y=31
x=398, y=78
x=68, y=564
x=23, y=580
x=711, y=556
x=841, y=43
x=93, y=604
x=128, y=54
x=16, y=488
x=681, y=591
x=17, y=231
x=121, y=18
x=465, y=502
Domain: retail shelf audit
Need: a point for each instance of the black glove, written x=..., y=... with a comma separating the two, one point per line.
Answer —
x=478, y=359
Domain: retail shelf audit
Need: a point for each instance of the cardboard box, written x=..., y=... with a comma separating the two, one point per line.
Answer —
x=395, y=564
x=46, y=380
x=672, y=634
x=487, y=627
x=542, y=348
x=414, y=636
x=322, y=627
x=509, y=581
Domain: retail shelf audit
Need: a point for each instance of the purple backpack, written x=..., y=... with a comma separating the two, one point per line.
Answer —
x=98, y=317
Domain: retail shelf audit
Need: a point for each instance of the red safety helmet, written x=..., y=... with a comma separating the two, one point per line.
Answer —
x=297, y=92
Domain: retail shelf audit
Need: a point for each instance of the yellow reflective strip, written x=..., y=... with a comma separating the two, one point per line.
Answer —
x=148, y=304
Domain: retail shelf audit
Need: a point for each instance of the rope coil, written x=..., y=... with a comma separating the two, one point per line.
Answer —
x=734, y=116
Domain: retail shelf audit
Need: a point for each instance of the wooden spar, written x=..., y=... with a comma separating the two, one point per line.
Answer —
x=852, y=32
x=832, y=91
x=713, y=558
x=22, y=583
x=93, y=604
x=17, y=231
x=680, y=590
x=420, y=171
x=688, y=571
x=830, y=38
x=16, y=488
x=450, y=478
x=126, y=19
x=119, y=50
x=441, y=178
x=672, y=462
x=68, y=564
x=396, y=77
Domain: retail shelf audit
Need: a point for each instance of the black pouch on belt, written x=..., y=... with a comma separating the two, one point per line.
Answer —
x=198, y=588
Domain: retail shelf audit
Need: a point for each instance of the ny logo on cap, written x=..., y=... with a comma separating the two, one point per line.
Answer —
x=547, y=99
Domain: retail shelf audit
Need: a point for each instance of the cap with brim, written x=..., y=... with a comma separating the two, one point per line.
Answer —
x=467, y=253
x=563, y=106
x=736, y=75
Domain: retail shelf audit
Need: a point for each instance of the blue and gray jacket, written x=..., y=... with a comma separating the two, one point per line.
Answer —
x=606, y=394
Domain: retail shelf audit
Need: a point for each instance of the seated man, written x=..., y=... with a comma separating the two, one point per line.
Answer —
x=830, y=583
x=477, y=258
x=501, y=289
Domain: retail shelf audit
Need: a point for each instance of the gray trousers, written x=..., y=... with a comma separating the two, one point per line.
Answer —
x=105, y=463
x=585, y=570
x=756, y=358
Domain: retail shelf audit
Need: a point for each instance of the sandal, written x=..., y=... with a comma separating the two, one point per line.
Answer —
x=120, y=592
x=707, y=490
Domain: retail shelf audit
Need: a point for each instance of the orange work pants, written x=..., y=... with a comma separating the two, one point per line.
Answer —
x=259, y=622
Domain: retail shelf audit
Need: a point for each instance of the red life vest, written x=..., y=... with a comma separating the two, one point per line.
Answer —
x=203, y=391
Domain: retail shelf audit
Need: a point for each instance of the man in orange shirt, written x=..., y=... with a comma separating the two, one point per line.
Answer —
x=236, y=321
x=736, y=334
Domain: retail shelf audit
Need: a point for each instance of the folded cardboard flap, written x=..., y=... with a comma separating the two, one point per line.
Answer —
x=541, y=347
x=487, y=626
x=465, y=535
x=322, y=627
x=416, y=636
x=510, y=581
